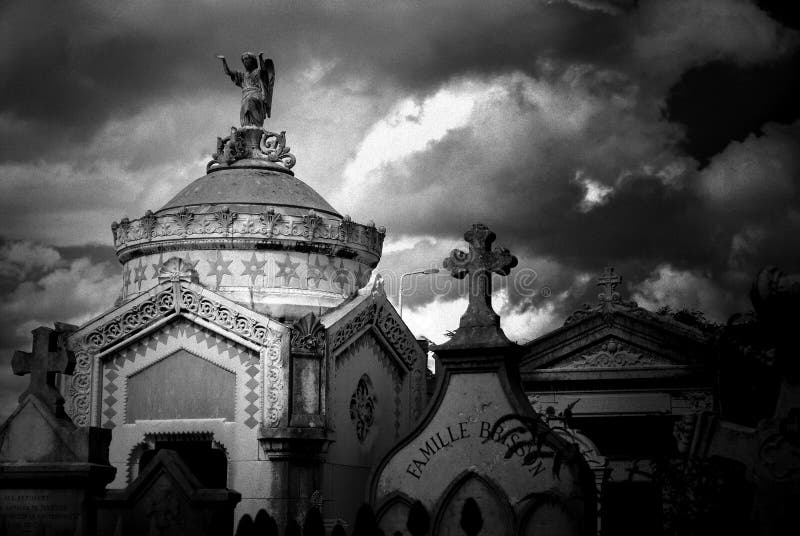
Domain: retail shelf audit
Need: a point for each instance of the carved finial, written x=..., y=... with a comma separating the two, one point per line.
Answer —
x=49, y=356
x=608, y=280
x=479, y=263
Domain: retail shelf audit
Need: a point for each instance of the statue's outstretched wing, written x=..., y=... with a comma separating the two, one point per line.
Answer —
x=268, y=81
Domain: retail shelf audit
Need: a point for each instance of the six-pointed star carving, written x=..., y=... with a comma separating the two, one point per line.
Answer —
x=138, y=275
x=316, y=272
x=253, y=267
x=287, y=270
x=219, y=267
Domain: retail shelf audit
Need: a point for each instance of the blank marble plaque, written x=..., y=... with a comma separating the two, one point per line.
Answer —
x=181, y=386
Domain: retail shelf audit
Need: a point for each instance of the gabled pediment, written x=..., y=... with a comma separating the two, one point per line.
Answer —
x=131, y=320
x=371, y=311
x=615, y=341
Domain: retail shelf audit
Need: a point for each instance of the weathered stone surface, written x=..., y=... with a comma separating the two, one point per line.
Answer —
x=49, y=468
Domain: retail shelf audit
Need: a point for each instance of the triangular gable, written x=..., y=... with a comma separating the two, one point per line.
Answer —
x=148, y=312
x=371, y=310
x=124, y=324
x=616, y=339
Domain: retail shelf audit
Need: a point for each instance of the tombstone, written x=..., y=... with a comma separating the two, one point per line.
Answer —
x=167, y=499
x=50, y=470
x=481, y=461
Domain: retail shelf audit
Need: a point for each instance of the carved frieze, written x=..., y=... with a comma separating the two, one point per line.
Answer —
x=612, y=354
x=186, y=224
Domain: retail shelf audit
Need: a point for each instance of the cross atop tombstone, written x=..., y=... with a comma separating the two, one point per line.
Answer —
x=608, y=281
x=48, y=357
x=479, y=263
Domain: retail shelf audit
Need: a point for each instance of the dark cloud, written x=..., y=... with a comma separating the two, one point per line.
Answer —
x=722, y=102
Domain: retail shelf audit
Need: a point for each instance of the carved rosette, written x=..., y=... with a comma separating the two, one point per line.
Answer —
x=362, y=407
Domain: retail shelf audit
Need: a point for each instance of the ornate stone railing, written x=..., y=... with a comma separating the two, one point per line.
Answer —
x=225, y=224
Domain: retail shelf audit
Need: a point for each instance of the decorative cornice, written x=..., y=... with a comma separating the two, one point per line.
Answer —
x=175, y=297
x=224, y=228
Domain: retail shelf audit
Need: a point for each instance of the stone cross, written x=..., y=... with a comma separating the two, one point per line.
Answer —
x=48, y=357
x=608, y=280
x=479, y=263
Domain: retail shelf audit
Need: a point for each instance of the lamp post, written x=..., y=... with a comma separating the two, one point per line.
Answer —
x=415, y=272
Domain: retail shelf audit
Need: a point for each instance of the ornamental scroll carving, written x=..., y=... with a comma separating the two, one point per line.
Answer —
x=611, y=354
x=363, y=319
x=388, y=324
x=405, y=345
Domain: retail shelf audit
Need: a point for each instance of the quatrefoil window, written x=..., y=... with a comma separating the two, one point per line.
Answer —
x=362, y=407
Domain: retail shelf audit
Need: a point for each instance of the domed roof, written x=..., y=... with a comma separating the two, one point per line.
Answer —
x=250, y=186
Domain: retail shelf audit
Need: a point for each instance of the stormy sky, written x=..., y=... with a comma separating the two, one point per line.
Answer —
x=660, y=137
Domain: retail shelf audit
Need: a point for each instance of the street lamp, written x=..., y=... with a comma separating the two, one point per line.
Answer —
x=416, y=272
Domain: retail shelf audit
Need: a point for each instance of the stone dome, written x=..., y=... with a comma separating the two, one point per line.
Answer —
x=253, y=232
x=250, y=186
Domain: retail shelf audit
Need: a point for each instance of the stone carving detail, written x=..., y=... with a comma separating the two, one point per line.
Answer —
x=609, y=300
x=225, y=218
x=273, y=147
x=402, y=341
x=187, y=224
x=131, y=320
x=611, y=354
x=274, y=373
x=78, y=407
x=226, y=317
x=177, y=269
x=148, y=223
x=270, y=218
x=252, y=142
x=362, y=320
x=308, y=337
x=362, y=407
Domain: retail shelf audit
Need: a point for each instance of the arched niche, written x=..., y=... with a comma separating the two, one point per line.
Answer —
x=495, y=512
x=392, y=514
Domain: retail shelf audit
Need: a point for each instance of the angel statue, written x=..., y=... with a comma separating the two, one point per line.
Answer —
x=256, y=83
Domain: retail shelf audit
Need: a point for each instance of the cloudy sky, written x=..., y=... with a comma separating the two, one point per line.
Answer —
x=660, y=137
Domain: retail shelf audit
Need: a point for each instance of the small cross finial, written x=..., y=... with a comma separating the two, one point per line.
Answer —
x=608, y=280
x=479, y=263
x=48, y=357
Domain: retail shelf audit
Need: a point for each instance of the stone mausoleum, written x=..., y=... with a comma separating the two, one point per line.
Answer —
x=246, y=339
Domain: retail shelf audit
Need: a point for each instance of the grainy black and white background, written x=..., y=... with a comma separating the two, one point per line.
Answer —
x=661, y=137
